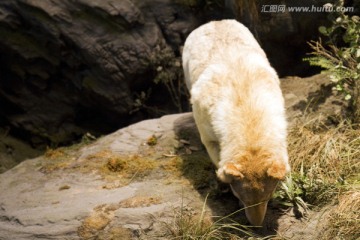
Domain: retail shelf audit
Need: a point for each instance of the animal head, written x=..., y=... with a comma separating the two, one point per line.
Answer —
x=253, y=185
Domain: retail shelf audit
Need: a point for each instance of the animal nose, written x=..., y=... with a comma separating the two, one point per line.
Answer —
x=256, y=213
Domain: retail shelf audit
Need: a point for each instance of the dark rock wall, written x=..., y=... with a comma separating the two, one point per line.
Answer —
x=67, y=67
x=282, y=32
x=75, y=66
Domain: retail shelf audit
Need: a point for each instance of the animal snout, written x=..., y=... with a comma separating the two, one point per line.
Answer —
x=256, y=213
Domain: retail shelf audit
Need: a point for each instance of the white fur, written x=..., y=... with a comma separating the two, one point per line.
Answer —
x=238, y=108
x=223, y=63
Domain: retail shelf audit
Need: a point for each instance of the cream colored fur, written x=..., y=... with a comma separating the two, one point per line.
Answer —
x=238, y=108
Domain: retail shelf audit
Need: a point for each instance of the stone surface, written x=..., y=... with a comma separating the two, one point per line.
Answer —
x=72, y=193
x=312, y=95
x=56, y=203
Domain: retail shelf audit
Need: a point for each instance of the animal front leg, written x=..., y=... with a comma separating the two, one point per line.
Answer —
x=213, y=149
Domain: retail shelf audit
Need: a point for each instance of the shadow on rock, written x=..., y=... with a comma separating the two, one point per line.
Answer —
x=314, y=99
x=200, y=171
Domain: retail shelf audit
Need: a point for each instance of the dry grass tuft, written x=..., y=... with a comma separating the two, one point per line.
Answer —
x=140, y=201
x=118, y=169
x=116, y=232
x=129, y=166
x=325, y=164
x=324, y=159
x=60, y=158
x=344, y=220
x=55, y=159
x=190, y=225
x=332, y=152
x=93, y=224
x=54, y=153
x=121, y=167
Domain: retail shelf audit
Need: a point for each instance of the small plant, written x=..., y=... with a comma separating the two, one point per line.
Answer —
x=141, y=102
x=169, y=73
x=88, y=138
x=152, y=141
x=340, y=57
x=291, y=193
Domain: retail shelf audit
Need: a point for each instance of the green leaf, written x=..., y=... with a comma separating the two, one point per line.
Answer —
x=345, y=55
x=323, y=30
x=333, y=78
x=355, y=18
x=339, y=87
x=357, y=54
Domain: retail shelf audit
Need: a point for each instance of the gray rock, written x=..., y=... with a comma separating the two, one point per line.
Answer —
x=312, y=96
x=72, y=193
x=55, y=204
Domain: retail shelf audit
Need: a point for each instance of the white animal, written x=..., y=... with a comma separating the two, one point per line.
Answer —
x=239, y=111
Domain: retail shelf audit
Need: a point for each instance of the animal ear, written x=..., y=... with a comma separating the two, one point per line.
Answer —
x=278, y=170
x=229, y=172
